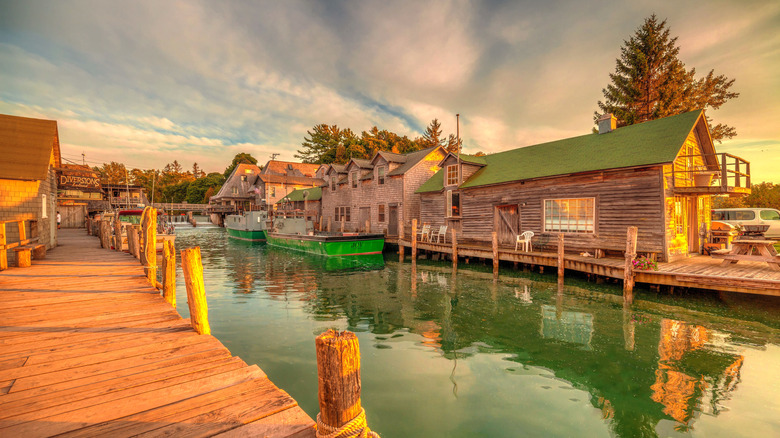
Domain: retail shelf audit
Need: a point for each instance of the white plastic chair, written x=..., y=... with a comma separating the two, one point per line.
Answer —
x=442, y=233
x=425, y=233
x=525, y=239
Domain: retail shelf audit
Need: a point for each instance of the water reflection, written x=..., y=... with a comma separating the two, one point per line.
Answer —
x=638, y=367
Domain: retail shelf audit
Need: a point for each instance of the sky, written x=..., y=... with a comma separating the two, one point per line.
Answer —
x=149, y=82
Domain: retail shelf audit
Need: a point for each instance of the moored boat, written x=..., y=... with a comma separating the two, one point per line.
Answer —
x=298, y=234
x=250, y=226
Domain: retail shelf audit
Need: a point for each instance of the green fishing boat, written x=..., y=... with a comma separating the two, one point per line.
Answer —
x=298, y=234
x=250, y=226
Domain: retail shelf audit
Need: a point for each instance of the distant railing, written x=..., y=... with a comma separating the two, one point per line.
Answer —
x=184, y=206
x=724, y=171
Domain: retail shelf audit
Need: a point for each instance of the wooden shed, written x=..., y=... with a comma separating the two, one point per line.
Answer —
x=30, y=151
x=658, y=176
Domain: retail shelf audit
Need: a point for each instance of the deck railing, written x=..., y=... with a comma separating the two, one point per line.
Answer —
x=720, y=173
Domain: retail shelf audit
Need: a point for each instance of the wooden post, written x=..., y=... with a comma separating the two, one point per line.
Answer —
x=149, y=226
x=343, y=221
x=136, y=235
x=495, y=253
x=368, y=226
x=628, y=268
x=129, y=235
x=414, y=240
x=329, y=224
x=105, y=233
x=196, y=293
x=401, y=247
x=560, y=257
x=320, y=229
x=454, y=250
x=117, y=233
x=169, y=272
x=338, y=374
x=22, y=230
x=23, y=257
x=3, y=254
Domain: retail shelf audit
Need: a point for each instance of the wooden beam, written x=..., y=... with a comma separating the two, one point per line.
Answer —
x=628, y=267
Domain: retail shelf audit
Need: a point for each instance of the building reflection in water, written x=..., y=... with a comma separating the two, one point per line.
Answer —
x=691, y=373
x=573, y=327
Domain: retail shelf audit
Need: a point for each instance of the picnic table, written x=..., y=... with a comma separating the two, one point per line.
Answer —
x=742, y=250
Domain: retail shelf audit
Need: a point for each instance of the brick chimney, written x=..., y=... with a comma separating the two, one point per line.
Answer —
x=607, y=123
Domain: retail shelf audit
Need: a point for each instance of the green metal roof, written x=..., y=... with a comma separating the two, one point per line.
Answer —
x=653, y=142
x=315, y=194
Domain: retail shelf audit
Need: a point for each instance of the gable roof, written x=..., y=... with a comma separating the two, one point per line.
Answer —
x=359, y=162
x=289, y=167
x=412, y=159
x=391, y=157
x=234, y=180
x=315, y=194
x=649, y=143
x=26, y=146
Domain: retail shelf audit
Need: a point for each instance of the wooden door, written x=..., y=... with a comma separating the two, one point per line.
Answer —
x=392, y=220
x=507, y=223
x=693, y=225
x=365, y=215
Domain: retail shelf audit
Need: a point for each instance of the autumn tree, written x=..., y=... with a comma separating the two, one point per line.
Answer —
x=241, y=158
x=650, y=82
x=112, y=173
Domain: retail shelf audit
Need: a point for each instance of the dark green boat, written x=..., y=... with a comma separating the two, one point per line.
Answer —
x=250, y=226
x=298, y=234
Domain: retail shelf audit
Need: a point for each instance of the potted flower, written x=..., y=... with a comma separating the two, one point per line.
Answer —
x=643, y=263
x=702, y=176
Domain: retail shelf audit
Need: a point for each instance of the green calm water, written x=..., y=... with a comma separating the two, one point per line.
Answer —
x=467, y=357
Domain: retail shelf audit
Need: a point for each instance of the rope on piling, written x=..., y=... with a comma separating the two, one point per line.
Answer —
x=355, y=428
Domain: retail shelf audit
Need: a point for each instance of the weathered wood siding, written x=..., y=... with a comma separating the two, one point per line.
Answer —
x=623, y=198
x=413, y=179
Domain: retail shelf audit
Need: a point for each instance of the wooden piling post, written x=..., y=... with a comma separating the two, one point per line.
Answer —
x=343, y=222
x=368, y=226
x=495, y=253
x=560, y=257
x=320, y=228
x=414, y=240
x=3, y=255
x=329, y=224
x=169, y=272
x=117, y=233
x=149, y=226
x=196, y=293
x=454, y=250
x=105, y=234
x=401, y=247
x=128, y=233
x=338, y=375
x=136, y=241
x=628, y=268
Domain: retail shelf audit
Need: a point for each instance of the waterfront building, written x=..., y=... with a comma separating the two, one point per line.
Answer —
x=79, y=192
x=30, y=151
x=250, y=187
x=380, y=191
x=657, y=175
x=300, y=202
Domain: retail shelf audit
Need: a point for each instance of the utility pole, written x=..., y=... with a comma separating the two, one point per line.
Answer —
x=83, y=158
x=457, y=136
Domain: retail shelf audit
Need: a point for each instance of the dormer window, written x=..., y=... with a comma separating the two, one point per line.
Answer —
x=380, y=175
x=451, y=177
x=354, y=179
x=333, y=183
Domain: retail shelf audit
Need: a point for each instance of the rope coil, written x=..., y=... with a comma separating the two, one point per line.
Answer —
x=355, y=428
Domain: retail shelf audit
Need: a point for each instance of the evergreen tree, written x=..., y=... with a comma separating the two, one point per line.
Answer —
x=650, y=82
x=453, y=144
x=432, y=135
x=328, y=144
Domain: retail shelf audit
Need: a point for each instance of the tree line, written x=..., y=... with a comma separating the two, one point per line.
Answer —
x=326, y=144
x=171, y=183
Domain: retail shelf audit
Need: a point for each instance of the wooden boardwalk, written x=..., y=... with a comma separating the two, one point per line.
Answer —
x=88, y=348
x=701, y=272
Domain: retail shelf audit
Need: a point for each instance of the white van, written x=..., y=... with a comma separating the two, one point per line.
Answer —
x=750, y=216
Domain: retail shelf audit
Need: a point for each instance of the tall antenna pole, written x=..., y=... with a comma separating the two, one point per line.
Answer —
x=83, y=159
x=457, y=135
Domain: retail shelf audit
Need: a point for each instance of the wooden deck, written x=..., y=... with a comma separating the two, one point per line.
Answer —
x=88, y=348
x=703, y=272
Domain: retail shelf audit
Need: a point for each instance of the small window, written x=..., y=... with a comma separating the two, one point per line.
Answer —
x=354, y=179
x=718, y=215
x=770, y=215
x=247, y=170
x=570, y=215
x=44, y=212
x=243, y=177
x=744, y=215
x=453, y=204
x=380, y=175
x=273, y=191
x=452, y=175
x=234, y=190
x=381, y=213
x=337, y=214
x=333, y=183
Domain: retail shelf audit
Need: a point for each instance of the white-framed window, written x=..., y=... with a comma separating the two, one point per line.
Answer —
x=354, y=179
x=380, y=213
x=342, y=213
x=380, y=175
x=44, y=210
x=576, y=215
x=451, y=177
x=234, y=190
x=453, y=204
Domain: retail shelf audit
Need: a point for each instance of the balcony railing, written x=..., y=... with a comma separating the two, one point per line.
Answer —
x=718, y=174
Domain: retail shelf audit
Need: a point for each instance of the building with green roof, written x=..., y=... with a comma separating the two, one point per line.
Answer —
x=657, y=175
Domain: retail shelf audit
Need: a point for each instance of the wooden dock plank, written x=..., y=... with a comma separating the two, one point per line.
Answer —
x=88, y=348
